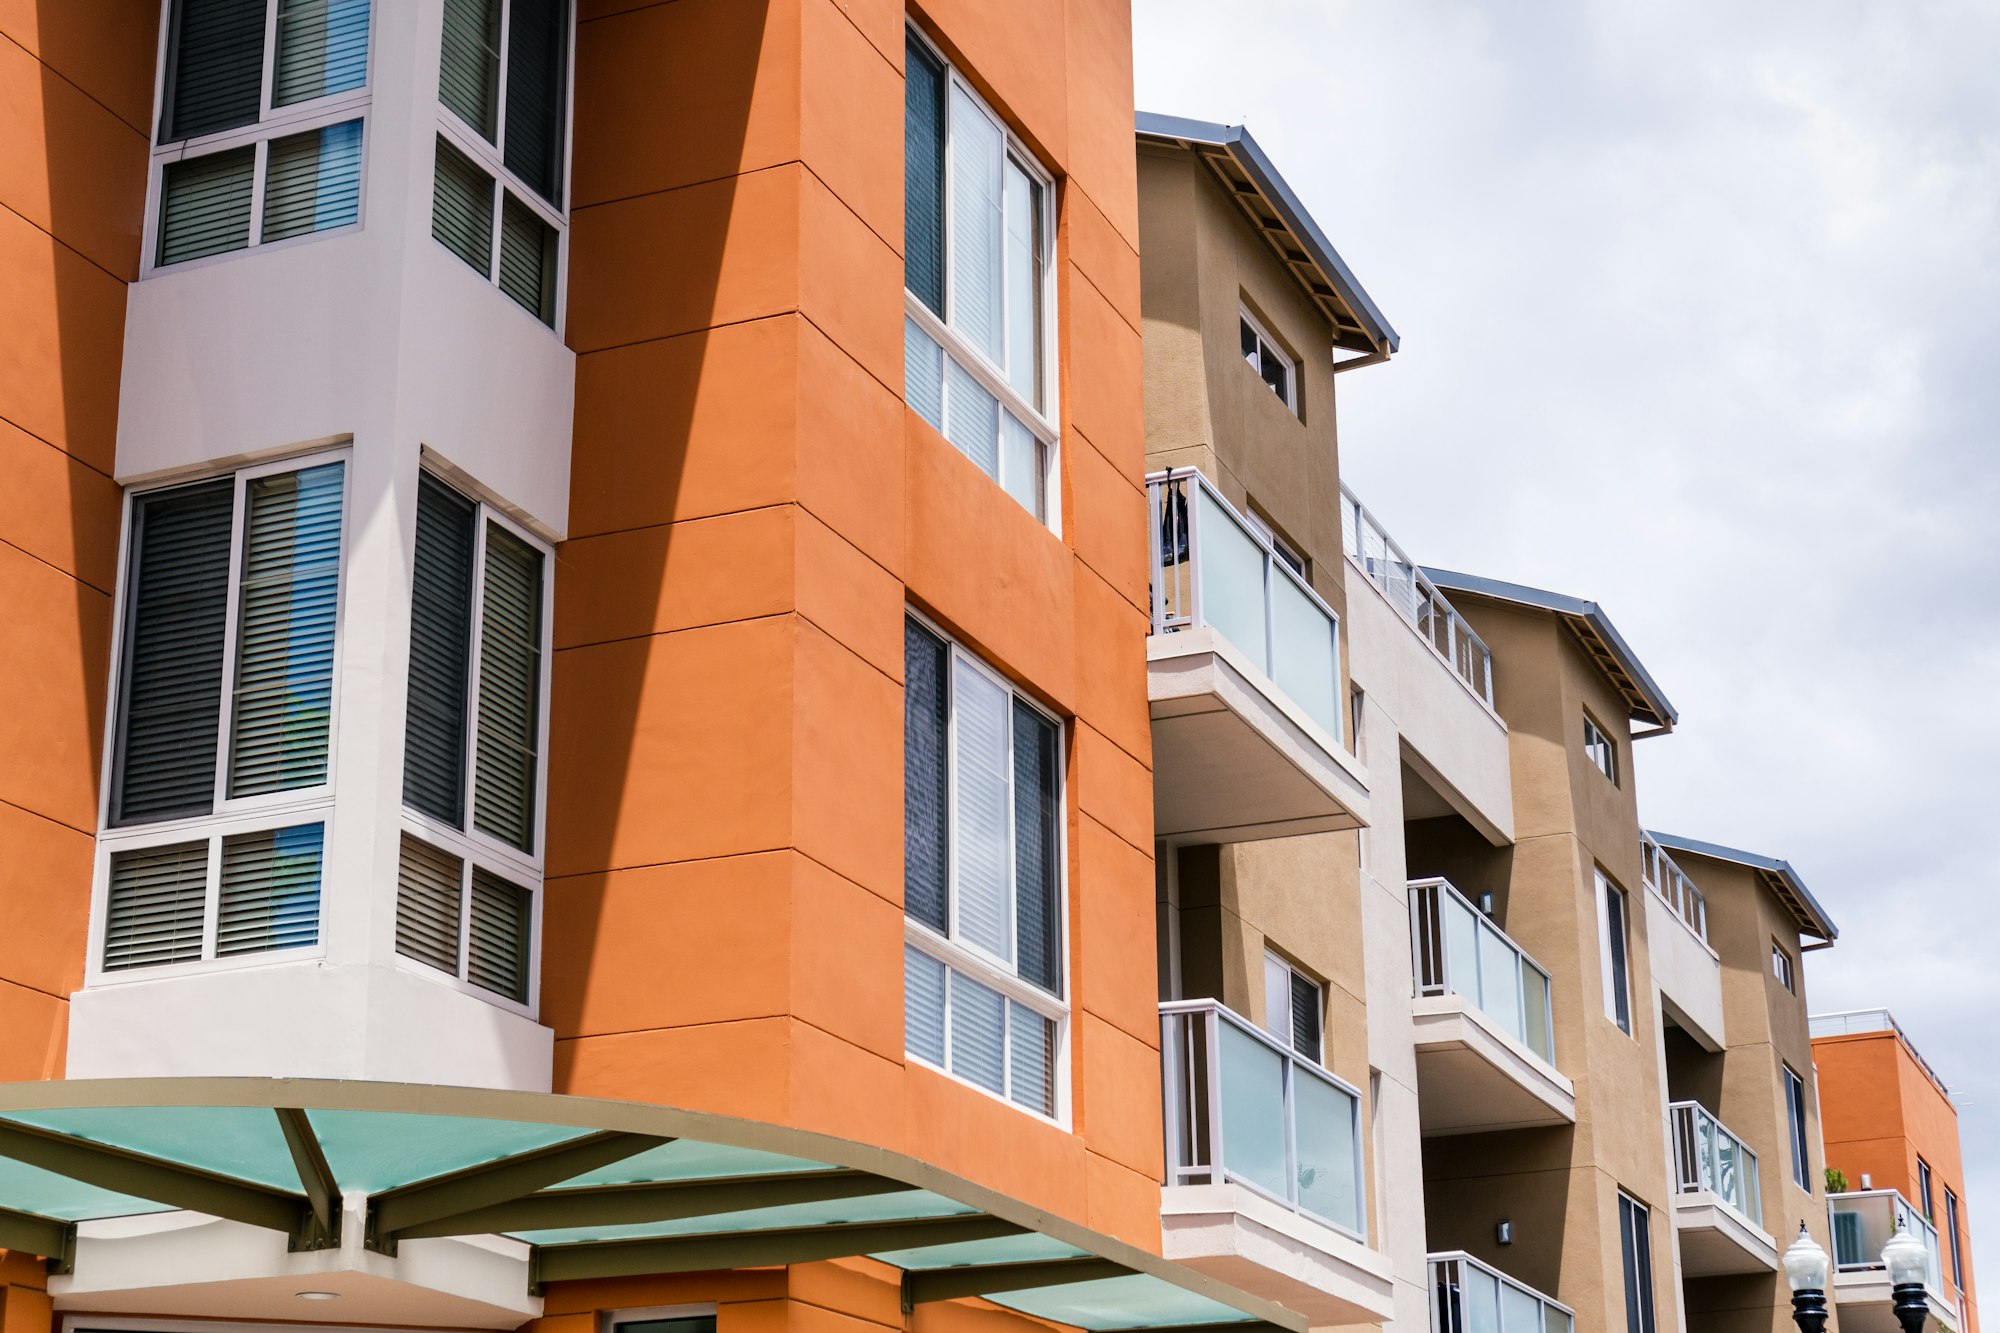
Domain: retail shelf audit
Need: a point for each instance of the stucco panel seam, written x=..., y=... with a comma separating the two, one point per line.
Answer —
x=68, y=574
x=88, y=833
x=136, y=129
x=65, y=244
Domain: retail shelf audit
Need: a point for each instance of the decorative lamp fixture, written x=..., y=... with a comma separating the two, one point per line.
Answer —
x=1908, y=1260
x=1806, y=1270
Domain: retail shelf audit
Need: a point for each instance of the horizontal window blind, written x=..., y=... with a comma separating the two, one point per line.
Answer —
x=497, y=947
x=528, y=259
x=982, y=841
x=1031, y=1059
x=155, y=904
x=285, y=631
x=462, y=209
x=170, y=704
x=923, y=184
x=1037, y=878
x=215, y=76
x=440, y=652
x=205, y=205
x=537, y=33
x=270, y=890
x=923, y=1005
x=469, y=66
x=978, y=1033
x=926, y=787
x=312, y=181
x=322, y=49
x=429, y=889
x=510, y=673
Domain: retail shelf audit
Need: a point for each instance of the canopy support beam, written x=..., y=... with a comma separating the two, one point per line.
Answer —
x=31, y=1233
x=924, y=1285
x=665, y=1201
x=392, y=1212
x=156, y=1180
x=755, y=1249
x=315, y=1177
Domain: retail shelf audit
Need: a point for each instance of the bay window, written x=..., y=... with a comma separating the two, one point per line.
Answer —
x=983, y=867
x=470, y=859
x=503, y=132
x=220, y=773
x=262, y=109
x=978, y=235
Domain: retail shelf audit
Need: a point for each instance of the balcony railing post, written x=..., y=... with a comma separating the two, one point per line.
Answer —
x=1217, y=1171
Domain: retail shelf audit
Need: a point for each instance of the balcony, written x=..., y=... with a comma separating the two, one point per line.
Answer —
x=1244, y=682
x=1485, y=1026
x=1468, y=1296
x=1265, y=1186
x=1685, y=967
x=1415, y=597
x=1863, y=1221
x=1719, y=1210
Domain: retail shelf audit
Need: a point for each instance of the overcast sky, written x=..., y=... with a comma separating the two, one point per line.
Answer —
x=1700, y=309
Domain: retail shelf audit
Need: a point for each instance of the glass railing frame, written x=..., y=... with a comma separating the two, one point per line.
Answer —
x=1705, y=1176
x=1416, y=598
x=1679, y=892
x=1902, y=1213
x=1424, y=968
x=1179, y=1128
x=1453, y=1258
x=1867, y=1022
x=1263, y=656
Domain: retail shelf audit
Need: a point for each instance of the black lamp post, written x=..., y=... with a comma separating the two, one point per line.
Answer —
x=1806, y=1270
x=1909, y=1263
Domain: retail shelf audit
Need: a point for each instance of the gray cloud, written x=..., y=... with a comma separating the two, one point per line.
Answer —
x=1701, y=318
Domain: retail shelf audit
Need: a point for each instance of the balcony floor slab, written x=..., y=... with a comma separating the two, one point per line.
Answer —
x=1234, y=760
x=1238, y=1236
x=1472, y=1078
x=1866, y=1304
x=1715, y=1239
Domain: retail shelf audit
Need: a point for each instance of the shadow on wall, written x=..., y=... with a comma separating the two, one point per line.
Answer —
x=664, y=101
x=1464, y=1201
x=79, y=74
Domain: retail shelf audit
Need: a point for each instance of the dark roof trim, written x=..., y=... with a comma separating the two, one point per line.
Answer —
x=1235, y=140
x=1784, y=880
x=1599, y=635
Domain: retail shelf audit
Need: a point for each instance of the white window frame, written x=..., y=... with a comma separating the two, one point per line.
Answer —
x=271, y=123
x=492, y=159
x=1043, y=422
x=1600, y=748
x=229, y=815
x=980, y=964
x=1797, y=1140
x=1783, y=968
x=1613, y=991
x=1290, y=397
x=469, y=845
x=610, y=1320
x=1279, y=968
x=1648, y=1296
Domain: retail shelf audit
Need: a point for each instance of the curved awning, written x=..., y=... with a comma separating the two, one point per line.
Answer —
x=592, y=1188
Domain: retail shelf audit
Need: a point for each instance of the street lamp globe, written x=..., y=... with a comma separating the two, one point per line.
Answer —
x=1906, y=1258
x=1806, y=1264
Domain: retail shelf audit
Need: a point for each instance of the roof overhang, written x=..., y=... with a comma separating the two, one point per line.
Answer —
x=587, y=1188
x=1359, y=327
x=1777, y=876
x=1593, y=629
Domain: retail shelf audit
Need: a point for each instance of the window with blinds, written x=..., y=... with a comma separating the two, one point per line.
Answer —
x=983, y=967
x=472, y=759
x=978, y=233
x=223, y=702
x=498, y=195
x=246, y=186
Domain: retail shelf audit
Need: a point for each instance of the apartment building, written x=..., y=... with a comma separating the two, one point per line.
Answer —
x=1891, y=1134
x=521, y=811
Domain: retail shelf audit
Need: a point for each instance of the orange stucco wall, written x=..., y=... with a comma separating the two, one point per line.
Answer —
x=76, y=89
x=752, y=510
x=1880, y=1112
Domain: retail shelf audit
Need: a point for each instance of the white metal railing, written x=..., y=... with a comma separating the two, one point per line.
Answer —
x=1211, y=568
x=1863, y=1221
x=1468, y=1296
x=1457, y=950
x=1671, y=884
x=1371, y=548
x=1850, y=1021
x=1242, y=1106
x=1708, y=1157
